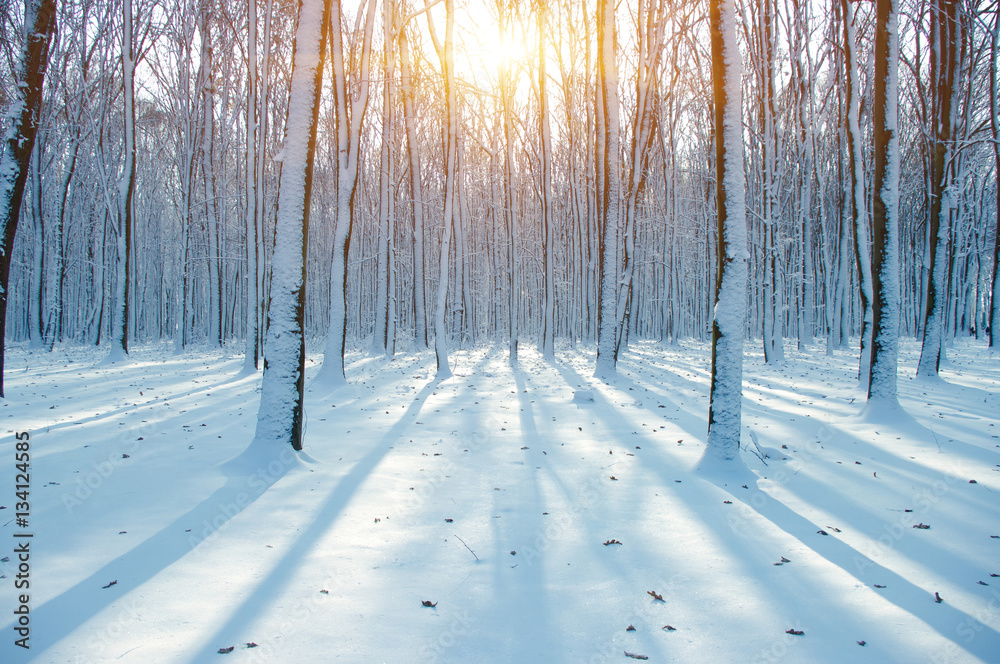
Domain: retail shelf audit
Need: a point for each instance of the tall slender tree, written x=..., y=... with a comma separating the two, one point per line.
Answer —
x=729, y=320
x=252, y=240
x=994, y=316
x=609, y=189
x=944, y=63
x=545, y=193
x=280, y=417
x=350, y=107
x=857, y=206
x=882, y=394
x=20, y=125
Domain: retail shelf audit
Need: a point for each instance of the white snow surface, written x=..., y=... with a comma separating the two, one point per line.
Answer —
x=492, y=494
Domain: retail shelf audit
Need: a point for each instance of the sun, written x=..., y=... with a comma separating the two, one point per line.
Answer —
x=487, y=50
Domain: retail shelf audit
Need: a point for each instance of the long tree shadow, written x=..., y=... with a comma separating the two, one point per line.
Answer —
x=271, y=586
x=61, y=615
x=950, y=622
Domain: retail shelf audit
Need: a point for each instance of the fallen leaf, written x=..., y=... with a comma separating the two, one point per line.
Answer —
x=652, y=593
x=611, y=541
x=429, y=603
x=938, y=598
x=861, y=643
x=325, y=591
x=630, y=628
x=922, y=526
x=822, y=532
x=251, y=644
x=794, y=632
x=110, y=584
x=634, y=655
x=878, y=586
x=670, y=628
x=226, y=651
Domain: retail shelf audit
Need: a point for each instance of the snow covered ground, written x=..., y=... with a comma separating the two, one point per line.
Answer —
x=500, y=498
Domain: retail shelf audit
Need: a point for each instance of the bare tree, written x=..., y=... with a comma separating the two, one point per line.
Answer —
x=944, y=62
x=280, y=417
x=20, y=126
x=882, y=395
x=609, y=189
x=729, y=321
x=857, y=206
x=349, y=115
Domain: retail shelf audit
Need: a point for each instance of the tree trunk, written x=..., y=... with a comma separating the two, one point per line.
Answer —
x=280, y=417
x=126, y=192
x=994, y=316
x=416, y=190
x=729, y=321
x=22, y=114
x=36, y=322
x=882, y=394
x=857, y=202
x=451, y=174
x=609, y=192
x=545, y=175
x=944, y=47
x=252, y=354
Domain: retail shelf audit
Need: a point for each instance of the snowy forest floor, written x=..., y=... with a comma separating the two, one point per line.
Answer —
x=492, y=495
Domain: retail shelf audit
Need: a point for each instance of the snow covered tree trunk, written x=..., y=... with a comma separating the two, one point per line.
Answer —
x=416, y=190
x=802, y=61
x=350, y=111
x=279, y=419
x=650, y=40
x=545, y=175
x=882, y=394
x=944, y=31
x=126, y=192
x=513, y=304
x=380, y=339
x=773, y=294
x=609, y=185
x=994, y=315
x=857, y=202
x=263, y=95
x=447, y=57
x=19, y=130
x=729, y=320
x=36, y=324
x=253, y=240
x=207, y=91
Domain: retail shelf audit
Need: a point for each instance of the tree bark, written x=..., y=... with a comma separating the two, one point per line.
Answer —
x=20, y=126
x=882, y=391
x=944, y=47
x=280, y=417
x=729, y=321
x=609, y=186
x=858, y=204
